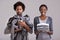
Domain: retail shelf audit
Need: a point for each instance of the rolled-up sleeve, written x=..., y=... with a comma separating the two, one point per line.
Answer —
x=35, y=25
x=51, y=25
x=29, y=23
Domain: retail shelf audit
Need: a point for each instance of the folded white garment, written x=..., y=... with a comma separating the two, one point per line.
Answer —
x=42, y=24
x=43, y=27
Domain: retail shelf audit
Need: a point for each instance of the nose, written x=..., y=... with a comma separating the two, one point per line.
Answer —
x=19, y=10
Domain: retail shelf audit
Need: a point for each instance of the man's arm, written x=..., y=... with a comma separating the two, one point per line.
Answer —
x=24, y=25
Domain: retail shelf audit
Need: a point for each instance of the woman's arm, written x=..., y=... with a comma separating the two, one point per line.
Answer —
x=35, y=26
x=50, y=26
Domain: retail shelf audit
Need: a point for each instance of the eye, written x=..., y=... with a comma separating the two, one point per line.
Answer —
x=20, y=9
x=17, y=9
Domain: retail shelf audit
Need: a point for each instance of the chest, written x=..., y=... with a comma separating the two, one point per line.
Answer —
x=43, y=24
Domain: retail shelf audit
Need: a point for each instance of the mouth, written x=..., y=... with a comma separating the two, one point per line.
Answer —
x=19, y=13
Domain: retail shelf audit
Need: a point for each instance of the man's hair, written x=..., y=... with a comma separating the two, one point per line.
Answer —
x=43, y=5
x=19, y=4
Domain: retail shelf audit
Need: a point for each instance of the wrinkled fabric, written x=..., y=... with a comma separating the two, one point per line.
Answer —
x=22, y=35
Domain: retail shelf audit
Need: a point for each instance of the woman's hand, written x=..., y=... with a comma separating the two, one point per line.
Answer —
x=37, y=32
x=49, y=32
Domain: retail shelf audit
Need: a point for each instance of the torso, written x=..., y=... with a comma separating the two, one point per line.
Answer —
x=43, y=35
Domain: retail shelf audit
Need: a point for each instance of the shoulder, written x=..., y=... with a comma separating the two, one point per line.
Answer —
x=26, y=17
x=11, y=18
x=49, y=17
x=36, y=17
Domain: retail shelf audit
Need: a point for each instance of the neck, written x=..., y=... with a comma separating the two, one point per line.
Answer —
x=43, y=15
x=19, y=14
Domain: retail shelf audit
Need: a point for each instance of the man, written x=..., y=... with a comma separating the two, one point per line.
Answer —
x=19, y=25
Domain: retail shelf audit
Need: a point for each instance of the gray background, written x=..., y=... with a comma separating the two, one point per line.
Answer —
x=32, y=9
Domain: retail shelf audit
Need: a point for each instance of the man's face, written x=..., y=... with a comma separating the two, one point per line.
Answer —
x=19, y=10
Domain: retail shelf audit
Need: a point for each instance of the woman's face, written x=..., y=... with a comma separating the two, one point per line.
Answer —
x=43, y=10
x=19, y=10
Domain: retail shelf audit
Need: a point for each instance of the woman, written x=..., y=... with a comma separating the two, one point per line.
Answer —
x=43, y=24
x=19, y=25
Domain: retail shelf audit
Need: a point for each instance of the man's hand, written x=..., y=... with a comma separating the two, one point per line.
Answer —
x=21, y=23
x=24, y=25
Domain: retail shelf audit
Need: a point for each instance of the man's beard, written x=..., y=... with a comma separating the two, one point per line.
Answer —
x=20, y=14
